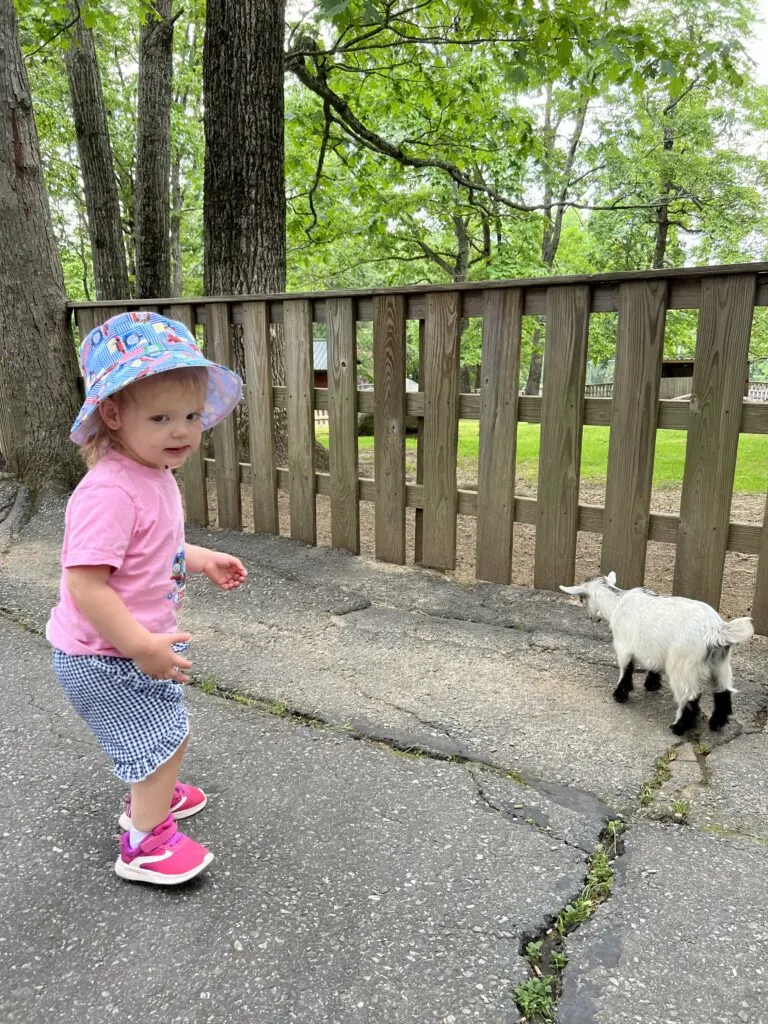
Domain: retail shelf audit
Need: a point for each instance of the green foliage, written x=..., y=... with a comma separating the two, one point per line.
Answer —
x=535, y=999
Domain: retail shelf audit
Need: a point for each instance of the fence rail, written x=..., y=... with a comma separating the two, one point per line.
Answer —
x=715, y=415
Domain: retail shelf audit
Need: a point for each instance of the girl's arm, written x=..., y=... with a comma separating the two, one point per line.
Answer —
x=89, y=588
x=196, y=557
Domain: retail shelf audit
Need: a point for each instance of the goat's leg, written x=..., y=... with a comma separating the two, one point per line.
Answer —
x=621, y=693
x=653, y=681
x=687, y=716
x=722, y=687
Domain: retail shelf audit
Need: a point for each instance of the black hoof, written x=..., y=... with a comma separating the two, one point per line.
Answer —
x=721, y=711
x=653, y=681
x=621, y=694
x=687, y=719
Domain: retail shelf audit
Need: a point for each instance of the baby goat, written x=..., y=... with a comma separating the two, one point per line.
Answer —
x=684, y=640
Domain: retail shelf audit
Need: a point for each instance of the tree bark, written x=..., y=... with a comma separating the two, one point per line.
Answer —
x=153, y=154
x=244, y=190
x=38, y=367
x=96, y=164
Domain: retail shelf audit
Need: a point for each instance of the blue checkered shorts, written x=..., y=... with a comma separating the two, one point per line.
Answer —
x=140, y=722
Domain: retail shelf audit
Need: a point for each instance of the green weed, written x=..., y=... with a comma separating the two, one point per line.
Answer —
x=535, y=999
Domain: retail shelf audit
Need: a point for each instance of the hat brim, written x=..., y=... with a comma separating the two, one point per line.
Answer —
x=225, y=391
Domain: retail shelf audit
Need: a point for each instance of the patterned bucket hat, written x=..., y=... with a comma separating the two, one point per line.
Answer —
x=131, y=346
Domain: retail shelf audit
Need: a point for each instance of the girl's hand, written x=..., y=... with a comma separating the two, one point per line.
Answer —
x=225, y=571
x=160, y=661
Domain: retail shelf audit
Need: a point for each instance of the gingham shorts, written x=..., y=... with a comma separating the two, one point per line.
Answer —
x=140, y=722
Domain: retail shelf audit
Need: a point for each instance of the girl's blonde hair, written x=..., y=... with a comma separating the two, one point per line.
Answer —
x=103, y=440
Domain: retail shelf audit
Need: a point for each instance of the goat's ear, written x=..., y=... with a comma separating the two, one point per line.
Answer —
x=610, y=579
x=577, y=591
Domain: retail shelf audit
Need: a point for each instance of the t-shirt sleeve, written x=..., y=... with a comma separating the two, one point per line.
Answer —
x=101, y=519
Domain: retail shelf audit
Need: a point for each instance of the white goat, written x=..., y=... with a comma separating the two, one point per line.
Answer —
x=684, y=640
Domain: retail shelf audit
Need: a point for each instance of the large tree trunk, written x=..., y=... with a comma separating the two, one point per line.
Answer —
x=38, y=367
x=244, y=191
x=153, y=154
x=93, y=146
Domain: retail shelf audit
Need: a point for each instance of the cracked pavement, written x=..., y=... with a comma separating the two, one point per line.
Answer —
x=353, y=881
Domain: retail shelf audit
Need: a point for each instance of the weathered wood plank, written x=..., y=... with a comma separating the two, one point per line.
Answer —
x=442, y=339
x=193, y=473
x=418, y=520
x=342, y=425
x=562, y=405
x=301, y=425
x=637, y=375
x=760, y=600
x=218, y=336
x=261, y=420
x=389, y=426
x=720, y=369
x=502, y=325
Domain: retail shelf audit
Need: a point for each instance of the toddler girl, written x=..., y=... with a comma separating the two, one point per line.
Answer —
x=117, y=651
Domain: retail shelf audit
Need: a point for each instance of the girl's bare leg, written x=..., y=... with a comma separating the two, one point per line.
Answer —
x=151, y=798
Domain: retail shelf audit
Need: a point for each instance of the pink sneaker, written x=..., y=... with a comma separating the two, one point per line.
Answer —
x=186, y=801
x=165, y=857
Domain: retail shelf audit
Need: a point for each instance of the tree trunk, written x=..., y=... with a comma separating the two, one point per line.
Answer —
x=38, y=367
x=177, y=200
x=153, y=154
x=661, y=233
x=244, y=190
x=533, y=381
x=96, y=164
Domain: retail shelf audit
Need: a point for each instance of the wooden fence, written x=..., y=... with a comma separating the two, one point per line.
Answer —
x=714, y=417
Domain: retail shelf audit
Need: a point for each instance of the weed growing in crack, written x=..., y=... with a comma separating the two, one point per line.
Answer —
x=681, y=808
x=208, y=685
x=537, y=996
x=533, y=952
x=661, y=773
x=535, y=999
x=703, y=748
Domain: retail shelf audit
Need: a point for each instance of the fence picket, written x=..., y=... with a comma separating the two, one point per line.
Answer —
x=442, y=338
x=389, y=426
x=261, y=420
x=418, y=513
x=720, y=369
x=562, y=412
x=637, y=376
x=760, y=600
x=193, y=473
x=502, y=324
x=218, y=335
x=297, y=314
x=342, y=424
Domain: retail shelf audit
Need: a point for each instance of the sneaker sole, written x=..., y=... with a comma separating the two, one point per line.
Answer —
x=154, y=877
x=125, y=822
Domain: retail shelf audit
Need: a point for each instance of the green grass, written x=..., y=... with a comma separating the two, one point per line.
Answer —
x=669, y=463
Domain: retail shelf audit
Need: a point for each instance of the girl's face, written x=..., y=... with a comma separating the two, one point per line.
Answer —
x=157, y=421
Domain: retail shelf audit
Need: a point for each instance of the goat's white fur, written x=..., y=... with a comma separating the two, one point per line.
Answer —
x=674, y=636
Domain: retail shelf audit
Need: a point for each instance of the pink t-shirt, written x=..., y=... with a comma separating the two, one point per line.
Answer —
x=130, y=517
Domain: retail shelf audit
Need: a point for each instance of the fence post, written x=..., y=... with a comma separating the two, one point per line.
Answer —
x=632, y=444
x=342, y=424
x=562, y=414
x=442, y=339
x=297, y=316
x=219, y=338
x=261, y=416
x=502, y=326
x=389, y=425
x=720, y=365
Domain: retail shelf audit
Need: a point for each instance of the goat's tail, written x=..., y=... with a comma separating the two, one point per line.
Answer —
x=736, y=631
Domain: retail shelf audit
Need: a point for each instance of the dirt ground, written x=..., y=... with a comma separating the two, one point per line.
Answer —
x=740, y=570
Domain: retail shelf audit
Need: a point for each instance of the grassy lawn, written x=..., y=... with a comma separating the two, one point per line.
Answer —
x=751, y=463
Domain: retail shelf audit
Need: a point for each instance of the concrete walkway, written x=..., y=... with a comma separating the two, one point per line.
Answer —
x=407, y=788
